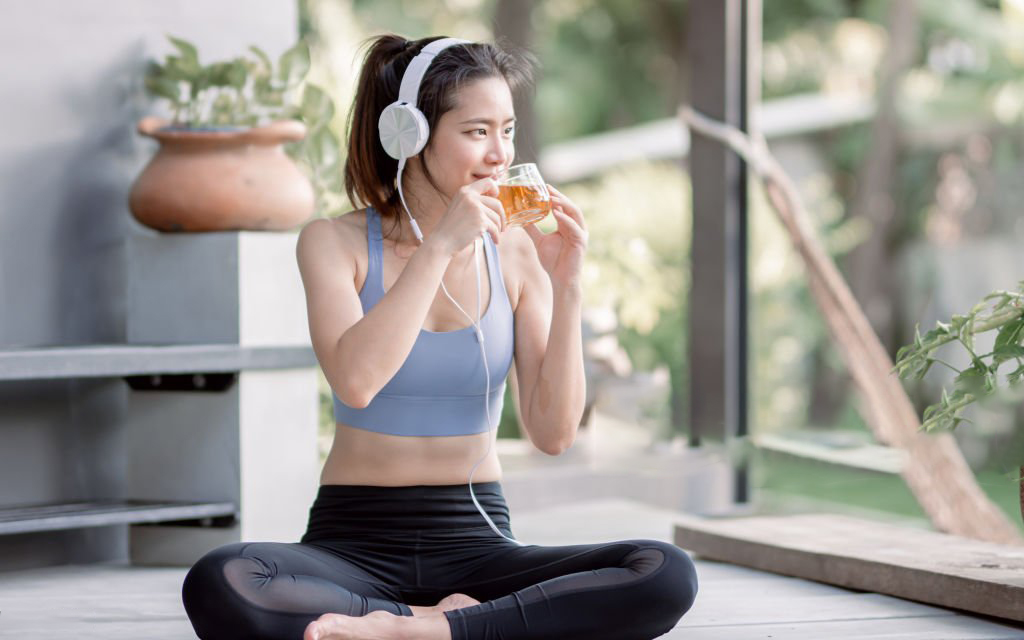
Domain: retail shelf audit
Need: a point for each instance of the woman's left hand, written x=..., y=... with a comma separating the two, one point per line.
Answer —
x=561, y=251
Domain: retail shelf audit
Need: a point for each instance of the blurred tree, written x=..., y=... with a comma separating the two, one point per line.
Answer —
x=868, y=264
x=513, y=24
x=603, y=68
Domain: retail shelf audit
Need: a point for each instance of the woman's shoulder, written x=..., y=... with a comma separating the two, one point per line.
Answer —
x=345, y=228
x=324, y=239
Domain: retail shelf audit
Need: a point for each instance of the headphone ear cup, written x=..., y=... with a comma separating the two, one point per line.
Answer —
x=403, y=130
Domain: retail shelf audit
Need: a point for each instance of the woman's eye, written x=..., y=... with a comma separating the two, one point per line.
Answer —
x=508, y=131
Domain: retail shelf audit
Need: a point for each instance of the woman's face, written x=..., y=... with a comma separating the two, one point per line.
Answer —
x=473, y=140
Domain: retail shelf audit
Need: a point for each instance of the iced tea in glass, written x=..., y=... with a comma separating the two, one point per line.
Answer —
x=523, y=195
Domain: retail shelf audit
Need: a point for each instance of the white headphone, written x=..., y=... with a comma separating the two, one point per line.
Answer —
x=403, y=133
x=402, y=126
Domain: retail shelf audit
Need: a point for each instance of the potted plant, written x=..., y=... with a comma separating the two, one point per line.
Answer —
x=1000, y=311
x=248, y=146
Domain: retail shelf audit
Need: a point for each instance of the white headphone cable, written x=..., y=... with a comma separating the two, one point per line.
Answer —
x=480, y=341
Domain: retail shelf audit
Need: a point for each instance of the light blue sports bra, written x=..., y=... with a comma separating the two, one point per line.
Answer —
x=440, y=389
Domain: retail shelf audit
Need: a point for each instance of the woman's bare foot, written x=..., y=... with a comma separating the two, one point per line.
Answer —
x=378, y=625
x=453, y=601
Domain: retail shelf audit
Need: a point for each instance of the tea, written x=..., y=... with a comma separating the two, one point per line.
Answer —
x=523, y=204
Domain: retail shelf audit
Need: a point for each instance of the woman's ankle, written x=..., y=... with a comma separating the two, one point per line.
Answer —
x=419, y=612
x=434, y=626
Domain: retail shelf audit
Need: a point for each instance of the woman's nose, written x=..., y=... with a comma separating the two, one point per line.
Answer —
x=498, y=155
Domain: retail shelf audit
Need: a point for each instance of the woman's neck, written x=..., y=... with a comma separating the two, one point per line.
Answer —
x=425, y=203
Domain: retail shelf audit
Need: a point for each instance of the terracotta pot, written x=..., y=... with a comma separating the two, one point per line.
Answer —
x=221, y=180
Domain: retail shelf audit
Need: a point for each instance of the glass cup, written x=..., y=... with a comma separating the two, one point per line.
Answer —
x=523, y=194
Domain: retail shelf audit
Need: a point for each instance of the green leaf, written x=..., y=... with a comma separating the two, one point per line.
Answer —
x=236, y=73
x=1015, y=377
x=294, y=64
x=325, y=150
x=217, y=75
x=970, y=380
x=317, y=106
x=189, y=60
x=1004, y=300
x=263, y=58
x=1007, y=352
x=163, y=87
x=941, y=331
x=178, y=69
x=273, y=98
x=261, y=86
x=968, y=332
x=1010, y=333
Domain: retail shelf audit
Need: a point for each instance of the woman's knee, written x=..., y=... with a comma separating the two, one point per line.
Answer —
x=672, y=588
x=207, y=595
x=207, y=573
x=682, y=576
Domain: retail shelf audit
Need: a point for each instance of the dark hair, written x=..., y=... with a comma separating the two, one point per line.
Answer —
x=369, y=171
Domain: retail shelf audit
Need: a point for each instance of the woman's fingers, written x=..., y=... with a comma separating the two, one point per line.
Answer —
x=496, y=207
x=565, y=220
x=567, y=205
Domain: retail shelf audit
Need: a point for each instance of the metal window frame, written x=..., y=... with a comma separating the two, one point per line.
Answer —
x=723, y=41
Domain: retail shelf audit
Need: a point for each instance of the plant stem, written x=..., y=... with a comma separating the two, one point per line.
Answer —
x=974, y=356
x=992, y=322
x=941, y=361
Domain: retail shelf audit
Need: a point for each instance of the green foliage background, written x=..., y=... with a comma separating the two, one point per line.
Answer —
x=614, y=63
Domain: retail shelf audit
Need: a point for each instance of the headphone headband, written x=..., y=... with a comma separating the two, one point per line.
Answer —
x=409, y=91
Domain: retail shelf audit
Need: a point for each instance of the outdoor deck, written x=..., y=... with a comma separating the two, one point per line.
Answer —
x=607, y=488
x=734, y=603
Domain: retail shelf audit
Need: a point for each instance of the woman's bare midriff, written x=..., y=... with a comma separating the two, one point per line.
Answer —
x=363, y=457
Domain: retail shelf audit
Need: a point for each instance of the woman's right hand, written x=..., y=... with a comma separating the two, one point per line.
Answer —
x=475, y=209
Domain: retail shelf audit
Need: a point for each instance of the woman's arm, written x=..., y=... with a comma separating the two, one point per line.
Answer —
x=358, y=353
x=554, y=402
x=549, y=340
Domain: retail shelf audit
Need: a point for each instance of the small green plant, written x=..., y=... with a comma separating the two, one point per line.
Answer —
x=249, y=91
x=980, y=380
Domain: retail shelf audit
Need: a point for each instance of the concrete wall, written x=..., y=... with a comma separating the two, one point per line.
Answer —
x=72, y=91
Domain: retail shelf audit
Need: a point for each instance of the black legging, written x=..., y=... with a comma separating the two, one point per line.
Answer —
x=370, y=548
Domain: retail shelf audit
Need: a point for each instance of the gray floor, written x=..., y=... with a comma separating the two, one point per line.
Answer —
x=734, y=603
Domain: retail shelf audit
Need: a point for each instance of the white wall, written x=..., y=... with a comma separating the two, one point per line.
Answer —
x=71, y=88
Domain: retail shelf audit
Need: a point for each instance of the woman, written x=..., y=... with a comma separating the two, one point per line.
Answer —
x=397, y=544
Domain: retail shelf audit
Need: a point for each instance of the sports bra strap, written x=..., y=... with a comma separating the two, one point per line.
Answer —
x=374, y=252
